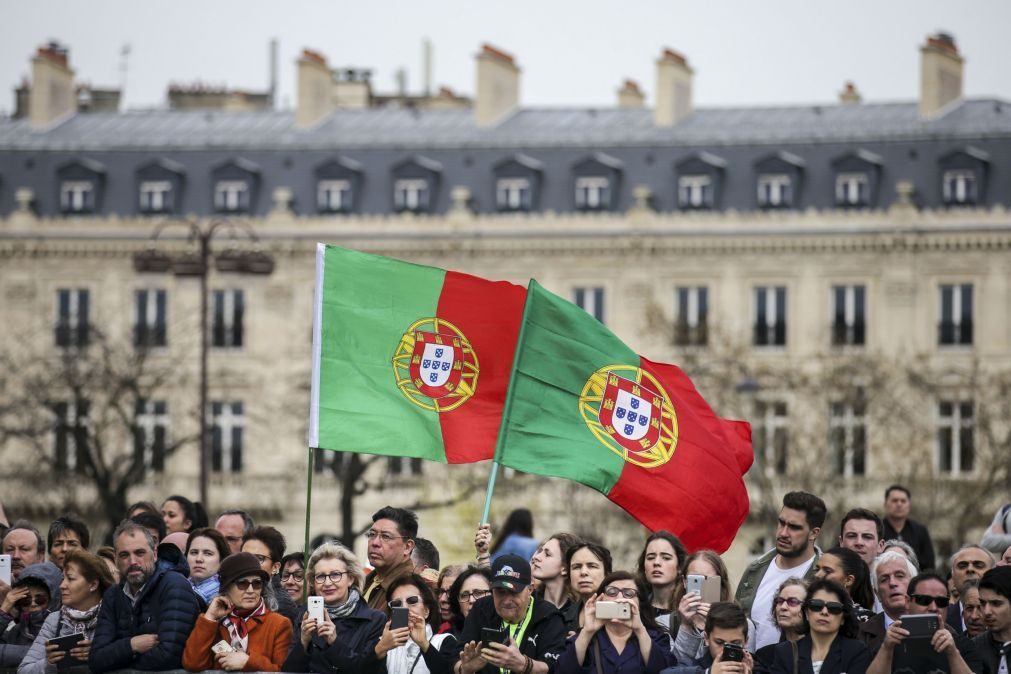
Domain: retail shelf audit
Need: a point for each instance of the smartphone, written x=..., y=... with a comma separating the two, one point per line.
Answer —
x=712, y=587
x=5, y=569
x=606, y=610
x=694, y=583
x=65, y=643
x=732, y=653
x=315, y=610
x=398, y=617
x=221, y=648
x=493, y=636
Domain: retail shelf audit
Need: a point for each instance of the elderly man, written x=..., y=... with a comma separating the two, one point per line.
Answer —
x=145, y=620
x=947, y=651
x=391, y=542
x=890, y=574
x=235, y=525
x=533, y=631
x=25, y=546
x=969, y=563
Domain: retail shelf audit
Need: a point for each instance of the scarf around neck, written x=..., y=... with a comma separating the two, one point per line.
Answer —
x=75, y=621
x=345, y=609
x=236, y=621
x=208, y=588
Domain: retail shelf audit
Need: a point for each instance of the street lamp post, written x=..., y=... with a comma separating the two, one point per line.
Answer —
x=187, y=265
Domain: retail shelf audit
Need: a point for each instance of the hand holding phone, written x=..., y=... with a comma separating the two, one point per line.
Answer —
x=613, y=610
x=315, y=608
x=5, y=570
x=732, y=653
x=398, y=617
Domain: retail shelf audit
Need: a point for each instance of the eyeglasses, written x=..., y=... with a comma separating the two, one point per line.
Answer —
x=384, y=536
x=245, y=584
x=411, y=601
x=626, y=592
x=833, y=607
x=262, y=558
x=37, y=599
x=297, y=575
x=927, y=599
x=792, y=602
x=474, y=595
x=334, y=577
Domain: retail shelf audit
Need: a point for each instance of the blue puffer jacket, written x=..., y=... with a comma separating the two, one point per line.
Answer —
x=167, y=606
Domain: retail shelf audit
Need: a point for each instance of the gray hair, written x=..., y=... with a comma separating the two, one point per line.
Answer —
x=248, y=523
x=970, y=546
x=334, y=550
x=128, y=527
x=885, y=558
x=905, y=547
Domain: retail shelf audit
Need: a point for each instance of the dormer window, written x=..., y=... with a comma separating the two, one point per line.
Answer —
x=159, y=187
x=857, y=177
x=231, y=196
x=333, y=196
x=411, y=194
x=775, y=190
x=155, y=196
x=596, y=183
x=338, y=185
x=851, y=189
x=779, y=177
x=593, y=193
x=415, y=181
x=77, y=196
x=235, y=186
x=695, y=191
x=699, y=180
x=959, y=187
x=80, y=186
x=512, y=194
x=517, y=183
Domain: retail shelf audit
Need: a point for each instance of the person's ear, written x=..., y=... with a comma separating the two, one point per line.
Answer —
x=815, y=532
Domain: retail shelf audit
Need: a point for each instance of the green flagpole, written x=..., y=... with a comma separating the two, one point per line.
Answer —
x=491, y=488
x=308, y=509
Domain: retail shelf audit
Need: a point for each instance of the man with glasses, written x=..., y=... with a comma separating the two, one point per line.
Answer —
x=529, y=633
x=267, y=544
x=235, y=525
x=390, y=543
x=948, y=652
x=969, y=563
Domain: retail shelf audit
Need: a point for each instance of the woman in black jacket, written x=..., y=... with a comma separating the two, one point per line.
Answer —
x=830, y=646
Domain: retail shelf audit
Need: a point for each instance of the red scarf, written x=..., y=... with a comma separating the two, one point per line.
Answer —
x=236, y=623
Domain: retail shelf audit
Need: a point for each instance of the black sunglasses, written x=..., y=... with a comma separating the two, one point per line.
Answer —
x=926, y=599
x=411, y=601
x=245, y=583
x=817, y=606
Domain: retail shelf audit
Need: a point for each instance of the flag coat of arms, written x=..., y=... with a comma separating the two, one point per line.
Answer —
x=409, y=360
x=583, y=406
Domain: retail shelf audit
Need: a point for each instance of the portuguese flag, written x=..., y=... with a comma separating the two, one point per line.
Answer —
x=583, y=406
x=409, y=360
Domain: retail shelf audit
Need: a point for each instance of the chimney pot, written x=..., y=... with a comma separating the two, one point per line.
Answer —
x=941, y=73
x=497, y=53
x=673, y=89
x=52, y=97
x=630, y=95
x=498, y=86
x=850, y=95
x=316, y=89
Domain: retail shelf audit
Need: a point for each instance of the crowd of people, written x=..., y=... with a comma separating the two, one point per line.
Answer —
x=174, y=592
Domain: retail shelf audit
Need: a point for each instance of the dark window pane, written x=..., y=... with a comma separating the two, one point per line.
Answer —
x=944, y=439
x=237, y=319
x=236, y=449
x=967, y=449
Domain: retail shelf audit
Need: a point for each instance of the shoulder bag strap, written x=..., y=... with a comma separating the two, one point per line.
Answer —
x=796, y=657
x=596, y=655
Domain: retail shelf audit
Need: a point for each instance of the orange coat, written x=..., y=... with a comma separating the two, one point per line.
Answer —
x=269, y=639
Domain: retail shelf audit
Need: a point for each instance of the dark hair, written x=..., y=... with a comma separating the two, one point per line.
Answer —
x=189, y=511
x=248, y=524
x=646, y=612
x=813, y=507
x=863, y=514
x=663, y=535
x=598, y=550
x=849, y=624
x=726, y=615
x=143, y=506
x=426, y=552
x=427, y=596
x=519, y=521
x=151, y=521
x=893, y=487
x=853, y=565
x=997, y=579
x=923, y=577
x=91, y=567
x=216, y=536
x=272, y=538
x=69, y=523
x=406, y=521
x=457, y=586
x=40, y=545
x=293, y=557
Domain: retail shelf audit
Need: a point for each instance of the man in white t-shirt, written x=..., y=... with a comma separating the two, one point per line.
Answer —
x=795, y=555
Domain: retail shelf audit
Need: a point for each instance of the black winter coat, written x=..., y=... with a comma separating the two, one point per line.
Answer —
x=353, y=652
x=845, y=656
x=543, y=641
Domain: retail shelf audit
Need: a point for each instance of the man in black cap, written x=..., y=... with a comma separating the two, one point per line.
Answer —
x=529, y=633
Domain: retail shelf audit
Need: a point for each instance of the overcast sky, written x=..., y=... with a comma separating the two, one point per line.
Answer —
x=572, y=52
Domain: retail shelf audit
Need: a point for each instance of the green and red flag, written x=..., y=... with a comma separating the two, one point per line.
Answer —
x=409, y=360
x=583, y=406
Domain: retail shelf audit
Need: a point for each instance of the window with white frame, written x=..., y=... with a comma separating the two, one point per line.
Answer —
x=770, y=316
x=512, y=194
x=411, y=194
x=695, y=191
x=231, y=196
x=771, y=436
x=956, y=442
x=402, y=466
x=70, y=433
x=593, y=192
x=955, y=326
x=72, y=323
x=333, y=196
x=590, y=300
x=228, y=423
x=851, y=189
x=156, y=196
x=849, y=315
x=847, y=435
x=150, y=327
x=150, y=433
x=228, y=309
x=77, y=196
x=775, y=190
x=959, y=187
x=691, y=326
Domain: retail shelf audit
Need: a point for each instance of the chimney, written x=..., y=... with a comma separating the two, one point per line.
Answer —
x=498, y=86
x=940, y=73
x=315, y=89
x=352, y=88
x=849, y=95
x=630, y=95
x=673, y=89
x=52, y=96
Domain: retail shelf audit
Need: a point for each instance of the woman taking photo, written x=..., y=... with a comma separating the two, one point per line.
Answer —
x=608, y=645
x=847, y=568
x=469, y=586
x=547, y=567
x=413, y=649
x=830, y=646
x=205, y=549
x=258, y=637
x=85, y=578
x=346, y=637
x=788, y=614
x=687, y=625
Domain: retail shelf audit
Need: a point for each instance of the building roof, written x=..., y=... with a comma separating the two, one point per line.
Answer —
x=527, y=127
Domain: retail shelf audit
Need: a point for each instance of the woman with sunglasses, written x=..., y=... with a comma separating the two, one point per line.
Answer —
x=25, y=608
x=413, y=649
x=788, y=615
x=609, y=645
x=255, y=638
x=847, y=568
x=469, y=586
x=346, y=638
x=830, y=645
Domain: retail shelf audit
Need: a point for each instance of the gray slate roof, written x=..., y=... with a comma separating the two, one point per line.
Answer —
x=528, y=127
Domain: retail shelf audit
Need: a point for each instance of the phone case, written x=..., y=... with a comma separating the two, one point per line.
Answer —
x=398, y=618
x=5, y=569
x=315, y=608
